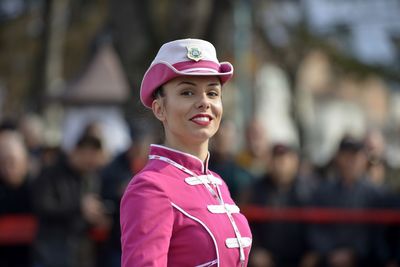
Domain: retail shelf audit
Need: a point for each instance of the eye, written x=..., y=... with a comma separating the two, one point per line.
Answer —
x=187, y=93
x=213, y=93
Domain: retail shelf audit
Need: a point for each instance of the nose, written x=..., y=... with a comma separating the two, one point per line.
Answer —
x=203, y=102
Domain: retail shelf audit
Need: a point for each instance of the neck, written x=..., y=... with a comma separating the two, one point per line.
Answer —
x=198, y=150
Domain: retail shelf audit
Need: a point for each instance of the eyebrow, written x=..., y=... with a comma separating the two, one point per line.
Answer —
x=185, y=82
x=214, y=84
x=194, y=84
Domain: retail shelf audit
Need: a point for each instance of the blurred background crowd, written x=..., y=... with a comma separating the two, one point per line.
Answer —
x=309, y=144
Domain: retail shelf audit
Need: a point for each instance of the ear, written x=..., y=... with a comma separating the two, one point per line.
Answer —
x=158, y=109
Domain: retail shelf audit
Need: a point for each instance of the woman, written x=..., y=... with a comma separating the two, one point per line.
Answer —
x=176, y=212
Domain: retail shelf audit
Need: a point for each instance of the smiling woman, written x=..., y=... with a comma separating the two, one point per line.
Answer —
x=190, y=111
x=176, y=212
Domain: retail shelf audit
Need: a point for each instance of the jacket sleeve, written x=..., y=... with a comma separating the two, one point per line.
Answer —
x=146, y=224
x=55, y=198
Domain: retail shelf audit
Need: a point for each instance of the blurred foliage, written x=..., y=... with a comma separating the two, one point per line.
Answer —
x=345, y=63
x=87, y=19
x=19, y=45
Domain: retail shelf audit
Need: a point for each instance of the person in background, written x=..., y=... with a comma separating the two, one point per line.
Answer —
x=15, y=199
x=377, y=174
x=346, y=186
x=280, y=243
x=68, y=204
x=255, y=155
x=223, y=161
x=376, y=167
x=32, y=129
x=115, y=177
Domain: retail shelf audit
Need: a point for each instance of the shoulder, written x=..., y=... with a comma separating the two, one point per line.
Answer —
x=371, y=191
x=119, y=162
x=262, y=184
x=151, y=182
x=51, y=174
x=325, y=191
x=145, y=179
x=144, y=197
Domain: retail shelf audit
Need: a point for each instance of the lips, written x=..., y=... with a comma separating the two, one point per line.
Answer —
x=202, y=119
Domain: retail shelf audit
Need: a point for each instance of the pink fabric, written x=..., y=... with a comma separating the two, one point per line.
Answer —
x=212, y=66
x=164, y=219
x=161, y=73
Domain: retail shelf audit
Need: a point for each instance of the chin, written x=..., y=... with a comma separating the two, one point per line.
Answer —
x=203, y=135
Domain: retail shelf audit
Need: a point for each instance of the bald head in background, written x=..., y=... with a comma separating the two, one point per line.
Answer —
x=13, y=159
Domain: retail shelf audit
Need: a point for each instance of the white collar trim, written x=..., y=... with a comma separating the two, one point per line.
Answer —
x=185, y=154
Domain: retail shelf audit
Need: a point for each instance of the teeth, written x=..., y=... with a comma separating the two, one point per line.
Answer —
x=202, y=119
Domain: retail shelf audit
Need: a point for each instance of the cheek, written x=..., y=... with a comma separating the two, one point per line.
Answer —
x=218, y=109
x=175, y=115
x=173, y=110
x=218, y=114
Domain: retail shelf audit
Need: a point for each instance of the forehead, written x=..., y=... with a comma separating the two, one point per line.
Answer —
x=195, y=80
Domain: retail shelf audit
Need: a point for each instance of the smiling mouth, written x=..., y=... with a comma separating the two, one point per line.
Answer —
x=201, y=120
x=205, y=119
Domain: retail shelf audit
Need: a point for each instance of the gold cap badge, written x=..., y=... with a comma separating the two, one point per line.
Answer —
x=194, y=53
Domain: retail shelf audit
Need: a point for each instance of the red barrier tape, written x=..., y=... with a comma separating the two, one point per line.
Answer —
x=22, y=229
x=321, y=215
x=99, y=234
x=17, y=229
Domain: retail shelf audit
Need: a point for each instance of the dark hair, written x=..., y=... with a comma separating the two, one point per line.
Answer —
x=89, y=141
x=8, y=124
x=159, y=92
x=349, y=143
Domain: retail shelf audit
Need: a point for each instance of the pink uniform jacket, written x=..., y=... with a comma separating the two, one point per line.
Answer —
x=169, y=218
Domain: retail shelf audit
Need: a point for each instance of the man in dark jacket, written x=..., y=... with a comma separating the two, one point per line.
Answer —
x=345, y=186
x=280, y=243
x=15, y=204
x=66, y=198
x=114, y=179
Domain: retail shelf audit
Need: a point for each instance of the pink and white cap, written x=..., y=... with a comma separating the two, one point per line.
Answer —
x=192, y=57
